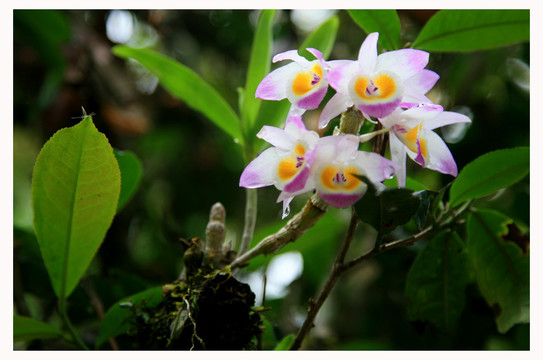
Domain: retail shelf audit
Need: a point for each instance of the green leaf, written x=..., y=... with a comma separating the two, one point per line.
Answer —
x=285, y=343
x=385, y=22
x=26, y=329
x=131, y=172
x=322, y=38
x=472, y=30
x=388, y=209
x=501, y=269
x=185, y=84
x=490, y=172
x=259, y=66
x=115, y=320
x=437, y=280
x=75, y=191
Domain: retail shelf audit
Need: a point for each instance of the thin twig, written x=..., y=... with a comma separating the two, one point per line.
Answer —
x=337, y=270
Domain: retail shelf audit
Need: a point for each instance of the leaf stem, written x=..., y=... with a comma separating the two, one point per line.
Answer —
x=67, y=322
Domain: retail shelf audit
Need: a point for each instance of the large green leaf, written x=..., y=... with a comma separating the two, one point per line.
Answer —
x=75, y=190
x=472, y=30
x=115, y=320
x=490, y=172
x=322, y=38
x=188, y=86
x=259, y=66
x=437, y=280
x=501, y=268
x=385, y=22
x=26, y=329
x=131, y=172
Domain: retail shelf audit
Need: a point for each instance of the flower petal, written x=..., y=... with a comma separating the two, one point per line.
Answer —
x=259, y=172
x=397, y=155
x=439, y=156
x=405, y=62
x=277, y=137
x=290, y=55
x=376, y=167
x=313, y=100
x=380, y=110
x=317, y=54
x=335, y=106
x=340, y=76
x=274, y=85
x=286, y=206
x=446, y=118
x=367, y=55
x=422, y=82
x=341, y=200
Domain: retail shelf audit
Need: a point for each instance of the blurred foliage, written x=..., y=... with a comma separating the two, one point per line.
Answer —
x=189, y=164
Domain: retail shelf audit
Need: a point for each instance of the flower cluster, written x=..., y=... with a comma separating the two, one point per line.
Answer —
x=390, y=87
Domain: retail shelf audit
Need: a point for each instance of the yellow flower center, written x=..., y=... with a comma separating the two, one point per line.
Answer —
x=306, y=81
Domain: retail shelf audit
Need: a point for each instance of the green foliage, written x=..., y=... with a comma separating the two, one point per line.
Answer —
x=472, y=30
x=285, y=343
x=385, y=22
x=387, y=209
x=131, y=173
x=115, y=320
x=75, y=190
x=188, y=86
x=259, y=66
x=26, y=329
x=437, y=280
x=501, y=268
x=490, y=172
x=322, y=38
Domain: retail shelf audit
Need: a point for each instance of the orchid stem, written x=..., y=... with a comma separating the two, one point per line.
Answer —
x=251, y=205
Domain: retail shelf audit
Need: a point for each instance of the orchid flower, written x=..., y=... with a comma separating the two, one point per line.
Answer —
x=378, y=84
x=286, y=165
x=411, y=133
x=301, y=81
x=337, y=161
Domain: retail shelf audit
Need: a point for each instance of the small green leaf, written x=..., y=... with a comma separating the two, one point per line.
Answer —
x=472, y=30
x=26, y=329
x=501, y=269
x=426, y=200
x=188, y=86
x=285, y=343
x=385, y=22
x=322, y=38
x=75, y=191
x=131, y=172
x=115, y=320
x=388, y=209
x=437, y=280
x=490, y=172
x=259, y=66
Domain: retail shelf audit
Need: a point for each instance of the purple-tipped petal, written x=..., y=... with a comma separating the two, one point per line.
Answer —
x=380, y=110
x=376, y=167
x=313, y=100
x=341, y=200
x=290, y=55
x=367, y=55
x=294, y=123
x=446, y=118
x=259, y=172
x=422, y=82
x=277, y=137
x=317, y=54
x=439, y=156
x=274, y=85
x=299, y=181
x=420, y=158
x=286, y=207
x=335, y=106
x=405, y=62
